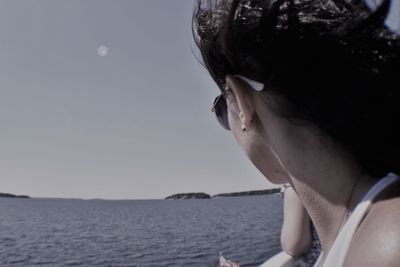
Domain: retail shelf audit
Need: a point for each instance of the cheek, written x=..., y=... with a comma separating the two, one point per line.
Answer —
x=249, y=142
x=257, y=150
x=268, y=164
x=235, y=125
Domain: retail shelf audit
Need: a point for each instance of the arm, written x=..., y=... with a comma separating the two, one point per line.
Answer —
x=296, y=229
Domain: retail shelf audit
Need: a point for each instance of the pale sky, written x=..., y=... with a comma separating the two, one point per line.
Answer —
x=133, y=124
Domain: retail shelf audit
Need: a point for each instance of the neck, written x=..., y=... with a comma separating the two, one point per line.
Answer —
x=328, y=209
x=326, y=178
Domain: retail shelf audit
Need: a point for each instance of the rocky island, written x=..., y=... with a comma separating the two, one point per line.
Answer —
x=250, y=193
x=4, y=195
x=235, y=194
x=189, y=196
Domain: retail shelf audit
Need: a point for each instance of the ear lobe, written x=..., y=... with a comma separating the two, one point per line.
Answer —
x=243, y=97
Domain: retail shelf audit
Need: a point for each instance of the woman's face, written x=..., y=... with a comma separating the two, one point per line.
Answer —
x=245, y=107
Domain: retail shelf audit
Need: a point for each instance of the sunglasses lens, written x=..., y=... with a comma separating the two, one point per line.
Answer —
x=221, y=111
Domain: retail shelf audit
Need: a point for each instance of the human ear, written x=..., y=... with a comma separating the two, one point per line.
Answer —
x=242, y=93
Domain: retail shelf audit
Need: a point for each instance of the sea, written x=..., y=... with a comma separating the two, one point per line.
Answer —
x=65, y=232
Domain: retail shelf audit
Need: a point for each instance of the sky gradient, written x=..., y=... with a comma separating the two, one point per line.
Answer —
x=134, y=124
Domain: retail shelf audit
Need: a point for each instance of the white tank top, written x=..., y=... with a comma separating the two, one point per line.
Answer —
x=342, y=242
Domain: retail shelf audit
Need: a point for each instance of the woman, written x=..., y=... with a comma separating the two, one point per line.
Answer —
x=310, y=92
x=299, y=239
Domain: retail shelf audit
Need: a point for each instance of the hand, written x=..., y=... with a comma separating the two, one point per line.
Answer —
x=229, y=263
x=226, y=263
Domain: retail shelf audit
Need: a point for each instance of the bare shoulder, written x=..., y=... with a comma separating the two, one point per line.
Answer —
x=377, y=240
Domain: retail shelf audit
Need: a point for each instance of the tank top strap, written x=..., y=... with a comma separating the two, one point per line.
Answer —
x=337, y=253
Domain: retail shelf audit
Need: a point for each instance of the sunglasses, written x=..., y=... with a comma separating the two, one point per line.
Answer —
x=220, y=108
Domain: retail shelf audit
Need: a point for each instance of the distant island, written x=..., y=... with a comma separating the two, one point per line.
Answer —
x=189, y=196
x=250, y=193
x=235, y=194
x=12, y=196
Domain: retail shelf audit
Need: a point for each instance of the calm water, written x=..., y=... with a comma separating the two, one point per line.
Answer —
x=50, y=232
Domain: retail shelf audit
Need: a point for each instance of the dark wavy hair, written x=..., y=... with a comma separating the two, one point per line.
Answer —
x=334, y=62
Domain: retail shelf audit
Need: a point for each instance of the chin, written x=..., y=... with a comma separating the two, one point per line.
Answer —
x=268, y=165
x=276, y=178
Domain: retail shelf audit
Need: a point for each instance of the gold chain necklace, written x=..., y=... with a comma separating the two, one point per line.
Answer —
x=347, y=207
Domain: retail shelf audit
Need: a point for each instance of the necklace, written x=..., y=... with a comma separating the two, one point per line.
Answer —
x=348, y=203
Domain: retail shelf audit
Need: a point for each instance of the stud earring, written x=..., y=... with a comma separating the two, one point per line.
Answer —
x=244, y=129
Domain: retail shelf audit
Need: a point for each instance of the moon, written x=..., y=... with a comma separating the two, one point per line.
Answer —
x=102, y=50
